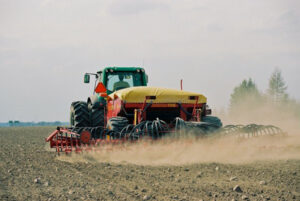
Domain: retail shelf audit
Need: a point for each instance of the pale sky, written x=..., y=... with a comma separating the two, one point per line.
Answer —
x=47, y=46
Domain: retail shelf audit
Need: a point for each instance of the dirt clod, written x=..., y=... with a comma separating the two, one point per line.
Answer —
x=37, y=180
x=237, y=188
x=262, y=183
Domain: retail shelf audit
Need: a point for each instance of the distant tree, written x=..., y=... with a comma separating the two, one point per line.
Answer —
x=277, y=87
x=11, y=123
x=58, y=123
x=244, y=93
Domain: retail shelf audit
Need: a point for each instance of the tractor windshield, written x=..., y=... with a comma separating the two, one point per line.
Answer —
x=122, y=80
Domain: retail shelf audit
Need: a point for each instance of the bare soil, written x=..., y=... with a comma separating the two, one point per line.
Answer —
x=29, y=171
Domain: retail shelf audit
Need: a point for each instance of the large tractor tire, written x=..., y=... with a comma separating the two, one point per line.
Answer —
x=96, y=115
x=208, y=125
x=212, y=120
x=79, y=114
x=117, y=123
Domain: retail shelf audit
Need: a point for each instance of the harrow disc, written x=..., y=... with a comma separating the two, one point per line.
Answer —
x=183, y=128
x=251, y=130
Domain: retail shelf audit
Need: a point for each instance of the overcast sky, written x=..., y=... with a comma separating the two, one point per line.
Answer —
x=47, y=46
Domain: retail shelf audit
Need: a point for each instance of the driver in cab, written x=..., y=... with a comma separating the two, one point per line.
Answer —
x=120, y=84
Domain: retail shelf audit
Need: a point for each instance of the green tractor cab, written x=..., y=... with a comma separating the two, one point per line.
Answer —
x=116, y=78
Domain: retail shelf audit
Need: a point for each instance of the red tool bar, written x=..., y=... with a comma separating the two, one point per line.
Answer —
x=52, y=135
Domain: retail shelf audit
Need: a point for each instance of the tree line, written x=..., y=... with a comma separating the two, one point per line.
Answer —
x=16, y=123
x=247, y=99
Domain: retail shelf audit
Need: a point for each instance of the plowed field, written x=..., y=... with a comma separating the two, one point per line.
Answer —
x=29, y=171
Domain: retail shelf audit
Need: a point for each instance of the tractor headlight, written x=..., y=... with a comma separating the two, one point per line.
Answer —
x=111, y=70
x=138, y=70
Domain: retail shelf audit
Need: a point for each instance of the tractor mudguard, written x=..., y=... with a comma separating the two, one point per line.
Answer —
x=96, y=101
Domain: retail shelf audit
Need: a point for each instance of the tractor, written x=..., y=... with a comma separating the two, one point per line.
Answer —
x=123, y=92
x=123, y=108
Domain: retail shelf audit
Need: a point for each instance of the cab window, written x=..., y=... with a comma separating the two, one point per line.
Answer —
x=121, y=80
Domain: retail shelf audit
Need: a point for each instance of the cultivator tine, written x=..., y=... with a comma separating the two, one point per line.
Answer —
x=57, y=147
x=77, y=149
x=87, y=147
x=61, y=142
x=68, y=146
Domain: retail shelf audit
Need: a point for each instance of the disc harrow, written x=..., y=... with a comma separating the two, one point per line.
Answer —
x=80, y=139
x=251, y=130
x=88, y=138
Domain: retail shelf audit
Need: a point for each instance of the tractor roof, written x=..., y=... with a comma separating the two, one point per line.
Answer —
x=116, y=68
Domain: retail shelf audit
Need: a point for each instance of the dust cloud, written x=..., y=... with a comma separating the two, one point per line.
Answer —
x=285, y=115
x=189, y=151
x=211, y=149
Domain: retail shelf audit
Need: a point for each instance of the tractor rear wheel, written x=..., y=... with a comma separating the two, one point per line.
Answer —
x=79, y=114
x=97, y=115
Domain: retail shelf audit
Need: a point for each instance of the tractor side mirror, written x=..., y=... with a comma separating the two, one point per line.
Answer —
x=86, y=78
x=100, y=88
